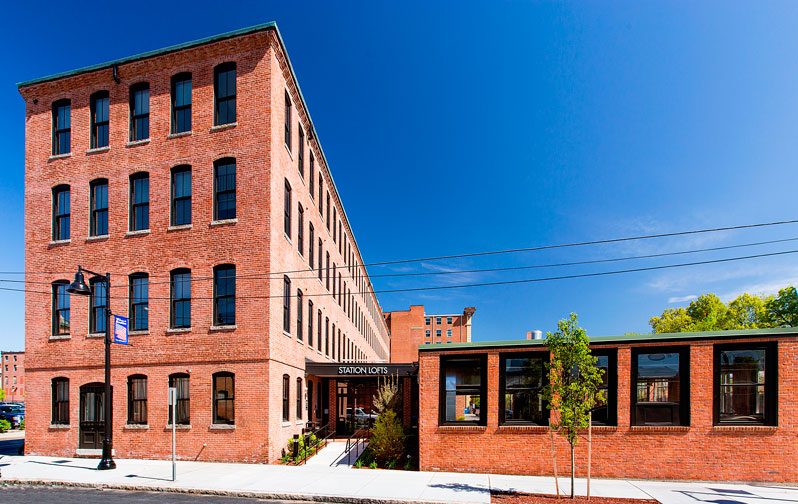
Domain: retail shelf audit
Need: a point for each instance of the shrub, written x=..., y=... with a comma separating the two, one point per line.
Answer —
x=22, y=425
x=4, y=425
x=387, y=439
x=409, y=463
x=373, y=465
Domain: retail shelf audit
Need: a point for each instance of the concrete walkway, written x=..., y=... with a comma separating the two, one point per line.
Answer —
x=333, y=455
x=334, y=484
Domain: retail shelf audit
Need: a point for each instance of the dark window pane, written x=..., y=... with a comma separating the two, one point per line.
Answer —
x=225, y=188
x=224, y=295
x=742, y=385
x=462, y=390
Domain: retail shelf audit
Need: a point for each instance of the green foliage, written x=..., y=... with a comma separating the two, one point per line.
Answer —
x=709, y=313
x=782, y=310
x=22, y=425
x=373, y=464
x=2, y=394
x=408, y=463
x=359, y=463
x=287, y=453
x=4, y=425
x=574, y=378
x=387, y=438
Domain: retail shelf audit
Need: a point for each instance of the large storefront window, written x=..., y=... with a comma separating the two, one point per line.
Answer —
x=605, y=412
x=522, y=378
x=660, y=379
x=463, y=394
x=745, y=384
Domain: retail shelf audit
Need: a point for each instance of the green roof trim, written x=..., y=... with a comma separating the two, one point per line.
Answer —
x=632, y=338
x=150, y=54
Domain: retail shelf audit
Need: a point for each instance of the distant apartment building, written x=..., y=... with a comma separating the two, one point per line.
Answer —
x=12, y=374
x=194, y=175
x=413, y=327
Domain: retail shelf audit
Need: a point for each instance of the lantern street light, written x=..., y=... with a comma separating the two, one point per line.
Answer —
x=80, y=288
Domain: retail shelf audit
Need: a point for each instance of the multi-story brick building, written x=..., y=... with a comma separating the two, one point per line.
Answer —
x=194, y=175
x=12, y=375
x=707, y=406
x=411, y=328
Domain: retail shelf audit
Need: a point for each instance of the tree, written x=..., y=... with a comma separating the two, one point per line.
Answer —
x=574, y=379
x=708, y=313
x=746, y=312
x=387, y=394
x=782, y=310
x=672, y=320
x=387, y=439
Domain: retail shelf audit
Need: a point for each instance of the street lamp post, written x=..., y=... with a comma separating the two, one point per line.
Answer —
x=79, y=287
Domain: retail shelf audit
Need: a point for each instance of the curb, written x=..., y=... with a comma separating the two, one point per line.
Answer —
x=298, y=498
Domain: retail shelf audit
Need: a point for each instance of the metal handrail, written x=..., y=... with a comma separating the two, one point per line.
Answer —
x=360, y=435
x=309, y=433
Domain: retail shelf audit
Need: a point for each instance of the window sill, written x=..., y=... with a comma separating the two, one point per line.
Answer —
x=139, y=232
x=59, y=427
x=95, y=335
x=659, y=428
x=136, y=427
x=98, y=150
x=286, y=424
x=179, y=227
x=288, y=149
x=55, y=243
x=522, y=429
x=720, y=429
x=214, y=328
x=97, y=238
x=139, y=332
x=288, y=238
x=461, y=429
x=178, y=135
x=221, y=427
x=58, y=337
x=178, y=330
x=286, y=333
x=222, y=127
x=60, y=156
x=300, y=422
x=92, y=452
x=136, y=143
x=178, y=427
x=224, y=222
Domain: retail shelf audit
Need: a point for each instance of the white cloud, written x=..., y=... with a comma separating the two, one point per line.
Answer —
x=682, y=299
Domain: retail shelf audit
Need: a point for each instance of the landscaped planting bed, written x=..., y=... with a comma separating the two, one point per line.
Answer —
x=522, y=498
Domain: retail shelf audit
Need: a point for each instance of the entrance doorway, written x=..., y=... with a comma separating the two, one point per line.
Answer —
x=92, y=416
x=355, y=405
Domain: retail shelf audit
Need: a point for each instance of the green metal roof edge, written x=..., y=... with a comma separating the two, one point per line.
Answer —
x=150, y=54
x=632, y=338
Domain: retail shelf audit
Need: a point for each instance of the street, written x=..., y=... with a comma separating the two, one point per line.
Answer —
x=43, y=495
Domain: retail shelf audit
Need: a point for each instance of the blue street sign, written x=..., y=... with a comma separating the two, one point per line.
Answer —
x=120, y=330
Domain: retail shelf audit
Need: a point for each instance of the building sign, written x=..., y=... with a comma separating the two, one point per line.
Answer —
x=120, y=330
x=363, y=370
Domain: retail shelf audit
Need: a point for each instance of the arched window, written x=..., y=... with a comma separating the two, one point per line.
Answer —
x=61, y=213
x=180, y=381
x=62, y=127
x=224, y=295
x=224, y=93
x=60, y=397
x=100, y=103
x=137, y=400
x=60, y=307
x=286, y=385
x=224, y=398
x=98, y=223
x=180, y=298
x=181, y=195
x=224, y=189
x=139, y=111
x=181, y=103
x=139, y=301
x=299, y=398
x=98, y=318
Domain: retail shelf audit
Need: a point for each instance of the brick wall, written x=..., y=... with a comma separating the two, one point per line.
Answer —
x=698, y=452
x=408, y=331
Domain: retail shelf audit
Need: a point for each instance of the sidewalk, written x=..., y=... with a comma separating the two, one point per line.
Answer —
x=336, y=484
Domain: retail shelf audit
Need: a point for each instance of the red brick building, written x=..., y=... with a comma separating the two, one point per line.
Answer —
x=12, y=375
x=413, y=327
x=707, y=406
x=194, y=175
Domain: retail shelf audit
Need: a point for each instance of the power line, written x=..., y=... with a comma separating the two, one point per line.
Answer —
x=474, y=254
x=484, y=284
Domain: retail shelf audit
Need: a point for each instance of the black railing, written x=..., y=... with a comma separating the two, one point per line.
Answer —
x=353, y=442
x=314, y=439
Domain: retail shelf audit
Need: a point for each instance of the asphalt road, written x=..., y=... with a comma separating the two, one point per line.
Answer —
x=10, y=446
x=55, y=495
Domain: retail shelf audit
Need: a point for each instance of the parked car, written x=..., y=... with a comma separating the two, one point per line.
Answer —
x=13, y=413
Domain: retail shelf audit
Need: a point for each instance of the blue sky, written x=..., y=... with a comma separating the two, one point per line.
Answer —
x=499, y=125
